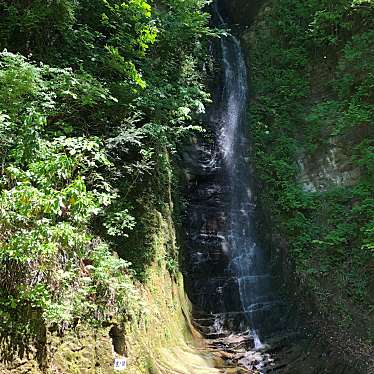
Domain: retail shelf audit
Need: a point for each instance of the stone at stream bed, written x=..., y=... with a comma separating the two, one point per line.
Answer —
x=235, y=352
x=255, y=360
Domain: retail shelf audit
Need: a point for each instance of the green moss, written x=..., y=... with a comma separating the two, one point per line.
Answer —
x=309, y=97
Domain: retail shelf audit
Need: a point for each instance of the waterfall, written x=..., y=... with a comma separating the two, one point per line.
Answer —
x=246, y=258
x=226, y=270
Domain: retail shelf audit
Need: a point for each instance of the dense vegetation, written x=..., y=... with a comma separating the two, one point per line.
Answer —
x=94, y=96
x=312, y=71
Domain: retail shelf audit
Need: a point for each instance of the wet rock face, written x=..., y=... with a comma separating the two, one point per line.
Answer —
x=241, y=12
x=210, y=285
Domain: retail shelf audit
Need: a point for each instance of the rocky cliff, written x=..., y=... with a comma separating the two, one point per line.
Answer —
x=241, y=12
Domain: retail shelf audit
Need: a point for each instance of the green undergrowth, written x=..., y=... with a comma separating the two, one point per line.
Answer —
x=150, y=343
x=312, y=73
x=90, y=115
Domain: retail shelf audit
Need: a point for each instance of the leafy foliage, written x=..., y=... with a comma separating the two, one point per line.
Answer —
x=94, y=96
x=314, y=87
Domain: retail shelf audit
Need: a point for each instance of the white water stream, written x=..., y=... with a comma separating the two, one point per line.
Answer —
x=247, y=261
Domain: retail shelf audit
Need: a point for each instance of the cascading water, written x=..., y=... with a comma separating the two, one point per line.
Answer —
x=247, y=261
x=227, y=272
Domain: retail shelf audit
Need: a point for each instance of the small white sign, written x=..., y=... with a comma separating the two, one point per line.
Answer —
x=120, y=363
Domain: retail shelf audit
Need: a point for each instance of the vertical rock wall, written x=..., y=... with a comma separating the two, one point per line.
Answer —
x=241, y=12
